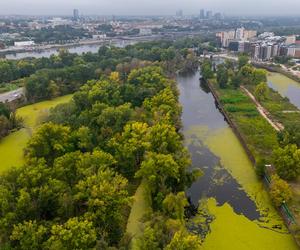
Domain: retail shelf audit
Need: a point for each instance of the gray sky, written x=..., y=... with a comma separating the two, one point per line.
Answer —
x=149, y=7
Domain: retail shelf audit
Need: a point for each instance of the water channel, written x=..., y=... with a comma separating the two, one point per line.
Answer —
x=240, y=213
x=286, y=87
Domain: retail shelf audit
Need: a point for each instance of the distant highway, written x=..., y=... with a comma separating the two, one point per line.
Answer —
x=11, y=95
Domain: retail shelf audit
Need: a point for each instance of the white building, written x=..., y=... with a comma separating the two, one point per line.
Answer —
x=24, y=44
x=239, y=33
x=291, y=51
x=269, y=52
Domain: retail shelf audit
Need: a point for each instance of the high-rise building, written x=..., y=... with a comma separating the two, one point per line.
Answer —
x=76, y=14
x=226, y=37
x=291, y=51
x=179, y=13
x=218, y=16
x=202, y=14
x=209, y=14
x=248, y=34
x=239, y=33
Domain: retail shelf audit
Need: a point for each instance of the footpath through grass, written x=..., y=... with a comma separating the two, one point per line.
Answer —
x=257, y=133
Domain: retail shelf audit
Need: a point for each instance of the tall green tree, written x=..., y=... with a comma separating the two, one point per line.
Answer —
x=287, y=162
x=222, y=76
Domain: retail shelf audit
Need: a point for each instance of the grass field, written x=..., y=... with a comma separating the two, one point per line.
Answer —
x=11, y=147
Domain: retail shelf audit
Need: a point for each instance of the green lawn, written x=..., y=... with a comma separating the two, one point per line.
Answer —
x=12, y=146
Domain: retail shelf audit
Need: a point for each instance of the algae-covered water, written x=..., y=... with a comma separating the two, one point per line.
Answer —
x=285, y=86
x=243, y=216
x=11, y=147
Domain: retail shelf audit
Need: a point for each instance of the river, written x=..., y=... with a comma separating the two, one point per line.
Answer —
x=286, y=87
x=74, y=49
x=237, y=207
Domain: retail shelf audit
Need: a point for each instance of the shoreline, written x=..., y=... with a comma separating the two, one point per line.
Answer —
x=281, y=211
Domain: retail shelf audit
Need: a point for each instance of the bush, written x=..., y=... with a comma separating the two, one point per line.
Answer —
x=280, y=191
x=260, y=168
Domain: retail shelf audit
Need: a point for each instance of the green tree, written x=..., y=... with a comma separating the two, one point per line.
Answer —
x=261, y=91
x=222, y=76
x=290, y=135
x=74, y=234
x=184, y=241
x=280, y=191
x=29, y=235
x=49, y=142
x=287, y=162
x=148, y=241
x=164, y=139
x=206, y=70
x=259, y=76
x=242, y=61
x=174, y=205
x=104, y=198
x=129, y=147
x=245, y=74
x=156, y=169
x=236, y=80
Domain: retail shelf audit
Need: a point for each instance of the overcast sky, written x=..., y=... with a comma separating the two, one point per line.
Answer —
x=149, y=7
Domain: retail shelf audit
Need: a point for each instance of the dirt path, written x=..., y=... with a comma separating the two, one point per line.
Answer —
x=276, y=125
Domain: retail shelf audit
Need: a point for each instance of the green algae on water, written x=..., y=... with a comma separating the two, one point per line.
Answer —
x=281, y=83
x=231, y=231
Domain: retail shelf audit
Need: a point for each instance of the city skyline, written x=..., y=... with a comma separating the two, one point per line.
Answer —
x=154, y=7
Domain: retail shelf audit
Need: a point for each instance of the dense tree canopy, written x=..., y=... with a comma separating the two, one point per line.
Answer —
x=74, y=190
x=287, y=162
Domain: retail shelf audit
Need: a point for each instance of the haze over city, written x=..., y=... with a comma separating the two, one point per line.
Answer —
x=146, y=7
x=149, y=124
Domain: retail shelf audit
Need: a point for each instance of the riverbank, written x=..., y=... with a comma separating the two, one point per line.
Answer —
x=12, y=146
x=238, y=213
x=277, y=70
x=248, y=127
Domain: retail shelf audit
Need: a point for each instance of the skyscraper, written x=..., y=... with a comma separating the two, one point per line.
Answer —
x=202, y=14
x=76, y=14
x=209, y=14
x=179, y=13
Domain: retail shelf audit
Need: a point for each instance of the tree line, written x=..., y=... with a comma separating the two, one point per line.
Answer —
x=65, y=72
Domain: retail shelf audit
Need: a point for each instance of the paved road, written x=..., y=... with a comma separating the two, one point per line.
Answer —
x=11, y=95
